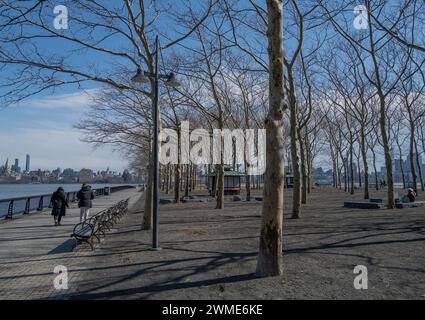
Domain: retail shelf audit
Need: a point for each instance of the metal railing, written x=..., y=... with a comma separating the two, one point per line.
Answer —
x=25, y=205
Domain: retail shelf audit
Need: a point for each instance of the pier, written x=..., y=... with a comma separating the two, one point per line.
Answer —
x=31, y=247
x=211, y=254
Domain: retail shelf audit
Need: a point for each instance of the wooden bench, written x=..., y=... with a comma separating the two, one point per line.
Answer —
x=363, y=205
x=97, y=225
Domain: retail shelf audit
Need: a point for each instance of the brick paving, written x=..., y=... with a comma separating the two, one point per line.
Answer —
x=211, y=254
x=31, y=247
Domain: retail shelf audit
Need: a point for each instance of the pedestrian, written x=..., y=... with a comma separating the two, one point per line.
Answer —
x=85, y=197
x=411, y=194
x=58, y=200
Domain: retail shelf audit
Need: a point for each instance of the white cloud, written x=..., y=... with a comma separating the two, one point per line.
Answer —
x=43, y=128
x=76, y=100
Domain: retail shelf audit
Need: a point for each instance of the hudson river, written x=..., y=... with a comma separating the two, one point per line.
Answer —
x=8, y=191
x=22, y=190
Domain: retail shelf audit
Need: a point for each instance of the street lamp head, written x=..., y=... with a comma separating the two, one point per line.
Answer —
x=140, y=77
x=172, y=81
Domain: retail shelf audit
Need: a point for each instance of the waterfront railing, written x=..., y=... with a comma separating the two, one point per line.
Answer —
x=9, y=208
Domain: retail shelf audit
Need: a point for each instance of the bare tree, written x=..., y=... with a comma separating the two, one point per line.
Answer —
x=270, y=251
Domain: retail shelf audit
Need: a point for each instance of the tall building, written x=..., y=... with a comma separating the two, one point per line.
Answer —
x=6, y=169
x=15, y=167
x=27, y=163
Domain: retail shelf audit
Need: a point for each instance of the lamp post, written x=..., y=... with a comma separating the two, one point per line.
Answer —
x=170, y=81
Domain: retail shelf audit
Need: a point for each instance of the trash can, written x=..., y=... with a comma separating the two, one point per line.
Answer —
x=107, y=191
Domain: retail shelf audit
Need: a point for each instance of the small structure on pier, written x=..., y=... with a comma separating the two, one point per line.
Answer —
x=232, y=182
x=289, y=180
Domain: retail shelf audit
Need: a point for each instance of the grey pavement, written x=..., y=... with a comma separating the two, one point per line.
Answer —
x=31, y=247
x=212, y=254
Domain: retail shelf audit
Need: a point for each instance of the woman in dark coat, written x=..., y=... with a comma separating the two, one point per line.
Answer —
x=59, y=205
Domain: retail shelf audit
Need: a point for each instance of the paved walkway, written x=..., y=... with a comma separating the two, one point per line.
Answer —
x=31, y=247
x=211, y=254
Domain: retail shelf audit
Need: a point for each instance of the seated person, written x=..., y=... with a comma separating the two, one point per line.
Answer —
x=411, y=194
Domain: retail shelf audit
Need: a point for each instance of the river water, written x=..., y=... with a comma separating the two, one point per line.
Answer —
x=8, y=191
x=22, y=190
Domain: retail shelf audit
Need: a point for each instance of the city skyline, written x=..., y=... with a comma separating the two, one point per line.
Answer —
x=23, y=168
x=43, y=127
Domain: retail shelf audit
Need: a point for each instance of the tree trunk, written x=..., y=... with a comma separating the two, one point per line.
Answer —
x=334, y=170
x=220, y=186
x=376, y=170
x=247, y=181
x=359, y=173
x=309, y=161
x=339, y=171
x=418, y=162
x=182, y=180
x=345, y=163
x=186, y=185
x=351, y=168
x=365, y=165
x=167, y=180
x=294, y=148
x=177, y=177
x=271, y=245
x=412, y=153
x=303, y=171
x=383, y=114
x=403, y=176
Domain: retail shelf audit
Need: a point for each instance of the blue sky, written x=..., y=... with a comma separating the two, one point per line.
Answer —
x=42, y=127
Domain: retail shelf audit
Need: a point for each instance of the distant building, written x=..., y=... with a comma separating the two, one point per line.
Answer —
x=404, y=167
x=6, y=168
x=15, y=168
x=69, y=174
x=27, y=163
x=85, y=175
x=56, y=174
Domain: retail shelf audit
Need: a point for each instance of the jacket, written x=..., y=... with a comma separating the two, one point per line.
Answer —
x=85, y=197
x=59, y=203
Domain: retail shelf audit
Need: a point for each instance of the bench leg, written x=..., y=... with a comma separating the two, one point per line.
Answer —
x=97, y=237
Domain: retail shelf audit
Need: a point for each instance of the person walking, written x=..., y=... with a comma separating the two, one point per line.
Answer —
x=411, y=194
x=85, y=197
x=60, y=204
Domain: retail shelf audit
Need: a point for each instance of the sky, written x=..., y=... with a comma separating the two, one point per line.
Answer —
x=43, y=128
